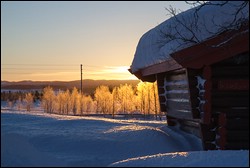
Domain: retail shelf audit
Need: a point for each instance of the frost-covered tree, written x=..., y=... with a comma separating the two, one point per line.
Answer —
x=126, y=98
x=155, y=98
x=147, y=97
x=67, y=101
x=141, y=93
x=85, y=104
x=19, y=103
x=48, y=100
x=28, y=101
x=103, y=98
x=115, y=101
x=80, y=104
x=88, y=101
x=60, y=102
x=74, y=100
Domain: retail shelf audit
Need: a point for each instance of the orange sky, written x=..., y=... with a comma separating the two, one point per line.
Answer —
x=46, y=40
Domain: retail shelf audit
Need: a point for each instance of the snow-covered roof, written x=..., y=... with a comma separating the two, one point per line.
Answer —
x=187, y=29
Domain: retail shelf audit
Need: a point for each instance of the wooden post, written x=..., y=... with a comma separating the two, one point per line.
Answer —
x=81, y=78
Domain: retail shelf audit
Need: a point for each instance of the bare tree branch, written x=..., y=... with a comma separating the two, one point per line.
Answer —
x=186, y=30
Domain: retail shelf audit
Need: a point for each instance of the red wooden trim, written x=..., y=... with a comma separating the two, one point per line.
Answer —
x=137, y=73
x=233, y=84
x=203, y=54
x=222, y=130
x=166, y=66
x=148, y=73
x=222, y=139
x=222, y=119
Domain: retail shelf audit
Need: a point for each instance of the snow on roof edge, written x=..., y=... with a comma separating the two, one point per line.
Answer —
x=156, y=45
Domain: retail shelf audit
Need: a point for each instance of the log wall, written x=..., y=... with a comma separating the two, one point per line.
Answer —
x=228, y=126
x=174, y=96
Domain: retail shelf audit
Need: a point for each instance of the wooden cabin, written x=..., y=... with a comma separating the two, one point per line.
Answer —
x=205, y=89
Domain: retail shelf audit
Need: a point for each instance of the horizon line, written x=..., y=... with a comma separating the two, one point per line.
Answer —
x=67, y=80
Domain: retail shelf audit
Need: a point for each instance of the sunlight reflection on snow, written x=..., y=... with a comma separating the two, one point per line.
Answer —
x=134, y=127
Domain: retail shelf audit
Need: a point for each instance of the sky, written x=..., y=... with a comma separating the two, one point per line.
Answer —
x=47, y=41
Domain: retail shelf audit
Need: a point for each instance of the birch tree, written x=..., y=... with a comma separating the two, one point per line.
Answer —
x=28, y=101
x=103, y=98
x=74, y=99
x=48, y=98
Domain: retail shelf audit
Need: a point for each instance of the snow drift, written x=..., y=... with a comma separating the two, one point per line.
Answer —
x=40, y=139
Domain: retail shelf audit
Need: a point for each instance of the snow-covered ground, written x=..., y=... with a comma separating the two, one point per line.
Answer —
x=38, y=139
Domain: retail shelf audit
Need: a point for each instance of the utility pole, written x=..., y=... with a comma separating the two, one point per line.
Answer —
x=81, y=78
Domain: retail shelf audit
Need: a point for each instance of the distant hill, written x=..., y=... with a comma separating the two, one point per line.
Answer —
x=88, y=85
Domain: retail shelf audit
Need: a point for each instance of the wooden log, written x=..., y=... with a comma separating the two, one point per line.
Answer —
x=221, y=141
x=207, y=136
x=166, y=66
x=180, y=114
x=230, y=71
x=163, y=107
x=160, y=79
x=237, y=145
x=192, y=82
x=182, y=104
x=177, y=87
x=195, y=102
x=176, y=72
x=196, y=113
x=222, y=120
x=192, y=130
x=178, y=96
x=171, y=121
x=207, y=94
x=194, y=92
x=209, y=146
x=162, y=99
x=241, y=59
x=233, y=123
x=237, y=124
x=176, y=77
x=194, y=72
x=237, y=135
x=218, y=93
x=231, y=84
x=233, y=112
x=189, y=126
x=161, y=90
x=230, y=102
x=234, y=68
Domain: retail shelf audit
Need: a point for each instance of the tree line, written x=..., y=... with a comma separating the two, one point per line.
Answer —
x=123, y=99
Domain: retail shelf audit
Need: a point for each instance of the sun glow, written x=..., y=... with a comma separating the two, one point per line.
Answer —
x=111, y=72
x=100, y=73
